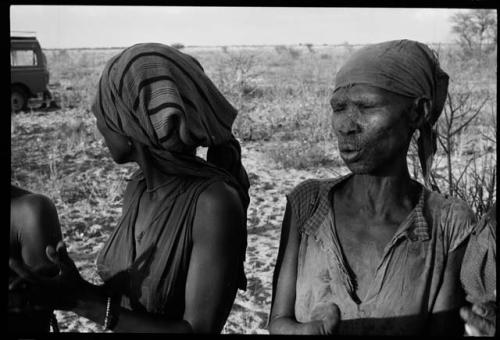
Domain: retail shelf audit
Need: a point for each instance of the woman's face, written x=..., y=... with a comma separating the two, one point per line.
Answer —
x=118, y=145
x=372, y=127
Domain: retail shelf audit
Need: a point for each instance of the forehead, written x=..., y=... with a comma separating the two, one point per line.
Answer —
x=362, y=92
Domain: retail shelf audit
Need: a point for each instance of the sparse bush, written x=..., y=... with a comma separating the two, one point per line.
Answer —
x=280, y=49
x=284, y=116
x=178, y=46
x=469, y=172
x=236, y=75
x=294, y=53
x=300, y=155
x=476, y=31
x=310, y=47
x=348, y=47
x=247, y=129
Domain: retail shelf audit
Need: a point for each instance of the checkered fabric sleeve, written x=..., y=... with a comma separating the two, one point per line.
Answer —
x=302, y=200
x=478, y=273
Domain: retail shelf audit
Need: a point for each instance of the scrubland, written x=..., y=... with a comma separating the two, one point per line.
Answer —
x=282, y=94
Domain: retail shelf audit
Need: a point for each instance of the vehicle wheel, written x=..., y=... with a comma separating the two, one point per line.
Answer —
x=18, y=99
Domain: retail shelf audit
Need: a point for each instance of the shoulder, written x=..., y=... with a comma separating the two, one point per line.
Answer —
x=30, y=209
x=218, y=208
x=453, y=217
x=219, y=196
x=31, y=203
x=305, y=189
x=455, y=213
x=305, y=195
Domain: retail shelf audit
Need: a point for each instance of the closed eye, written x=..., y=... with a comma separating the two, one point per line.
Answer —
x=337, y=107
x=366, y=106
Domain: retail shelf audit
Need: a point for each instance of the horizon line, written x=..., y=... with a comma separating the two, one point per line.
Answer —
x=238, y=45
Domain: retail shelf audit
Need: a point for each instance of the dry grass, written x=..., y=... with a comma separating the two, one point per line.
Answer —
x=282, y=95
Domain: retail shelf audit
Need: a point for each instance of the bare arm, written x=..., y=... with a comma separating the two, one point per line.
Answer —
x=218, y=237
x=282, y=320
x=218, y=248
x=34, y=226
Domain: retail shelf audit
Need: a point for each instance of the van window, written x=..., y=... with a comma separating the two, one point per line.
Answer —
x=23, y=58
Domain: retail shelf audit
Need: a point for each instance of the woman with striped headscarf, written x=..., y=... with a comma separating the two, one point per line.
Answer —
x=375, y=252
x=175, y=260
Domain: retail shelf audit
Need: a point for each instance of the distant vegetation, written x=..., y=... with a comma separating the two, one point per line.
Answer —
x=282, y=94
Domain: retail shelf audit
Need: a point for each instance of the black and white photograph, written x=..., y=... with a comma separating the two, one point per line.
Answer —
x=252, y=170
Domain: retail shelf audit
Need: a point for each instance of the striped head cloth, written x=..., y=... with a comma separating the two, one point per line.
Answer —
x=159, y=97
x=151, y=91
x=408, y=68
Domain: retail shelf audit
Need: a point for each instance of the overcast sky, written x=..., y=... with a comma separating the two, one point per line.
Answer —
x=120, y=26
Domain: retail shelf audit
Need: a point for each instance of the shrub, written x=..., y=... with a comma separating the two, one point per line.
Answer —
x=310, y=47
x=178, y=46
x=300, y=155
x=294, y=53
x=280, y=49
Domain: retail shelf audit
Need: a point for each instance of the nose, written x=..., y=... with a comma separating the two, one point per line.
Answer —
x=347, y=123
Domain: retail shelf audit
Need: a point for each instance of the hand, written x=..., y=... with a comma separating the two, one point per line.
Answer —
x=55, y=292
x=21, y=300
x=480, y=320
x=326, y=318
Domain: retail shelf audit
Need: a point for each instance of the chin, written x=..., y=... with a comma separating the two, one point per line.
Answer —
x=120, y=159
x=359, y=168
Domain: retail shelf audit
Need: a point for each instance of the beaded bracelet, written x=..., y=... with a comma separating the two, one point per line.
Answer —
x=111, y=316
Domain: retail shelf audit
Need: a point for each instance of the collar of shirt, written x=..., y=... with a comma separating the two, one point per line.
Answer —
x=415, y=226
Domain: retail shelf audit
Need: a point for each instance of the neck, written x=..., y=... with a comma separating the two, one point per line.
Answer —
x=154, y=169
x=383, y=193
x=151, y=173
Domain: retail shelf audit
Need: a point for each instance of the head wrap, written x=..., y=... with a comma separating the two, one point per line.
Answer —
x=160, y=97
x=408, y=68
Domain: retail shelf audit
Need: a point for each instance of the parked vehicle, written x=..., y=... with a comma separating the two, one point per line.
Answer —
x=28, y=72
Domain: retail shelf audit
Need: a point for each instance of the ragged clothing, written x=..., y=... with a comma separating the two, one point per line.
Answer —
x=407, y=281
x=479, y=272
x=150, y=268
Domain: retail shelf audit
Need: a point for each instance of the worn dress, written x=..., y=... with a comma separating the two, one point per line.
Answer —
x=408, y=279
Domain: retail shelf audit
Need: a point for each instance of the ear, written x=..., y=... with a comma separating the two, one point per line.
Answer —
x=419, y=111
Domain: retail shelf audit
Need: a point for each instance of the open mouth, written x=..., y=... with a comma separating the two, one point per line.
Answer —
x=350, y=154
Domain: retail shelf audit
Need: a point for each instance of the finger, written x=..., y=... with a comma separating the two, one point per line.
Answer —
x=41, y=307
x=464, y=313
x=483, y=310
x=478, y=323
x=471, y=331
x=335, y=311
x=21, y=270
x=332, y=319
x=17, y=283
x=15, y=310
